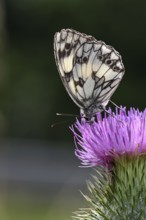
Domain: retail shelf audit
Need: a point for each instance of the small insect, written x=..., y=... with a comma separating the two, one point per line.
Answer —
x=90, y=70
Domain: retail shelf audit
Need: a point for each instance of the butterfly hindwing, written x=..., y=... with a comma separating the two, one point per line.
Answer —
x=90, y=69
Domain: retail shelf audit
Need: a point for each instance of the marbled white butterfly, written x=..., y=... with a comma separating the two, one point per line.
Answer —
x=90, y=70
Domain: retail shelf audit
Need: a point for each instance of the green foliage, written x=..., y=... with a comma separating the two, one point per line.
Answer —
x=119, y=194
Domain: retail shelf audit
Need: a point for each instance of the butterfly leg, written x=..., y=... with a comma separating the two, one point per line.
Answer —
x=115, y=104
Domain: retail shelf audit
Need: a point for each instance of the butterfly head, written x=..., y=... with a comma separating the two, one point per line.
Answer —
x=89, y=112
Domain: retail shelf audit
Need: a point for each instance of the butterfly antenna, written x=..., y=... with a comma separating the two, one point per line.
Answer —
x=59, y=123
x=62, y=122
x=65, y=114
x=116, y=105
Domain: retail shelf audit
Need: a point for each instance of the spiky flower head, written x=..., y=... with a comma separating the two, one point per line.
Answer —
x=118, y=141
x=119, y=133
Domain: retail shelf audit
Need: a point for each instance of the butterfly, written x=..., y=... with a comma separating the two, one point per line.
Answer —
x=90, y=70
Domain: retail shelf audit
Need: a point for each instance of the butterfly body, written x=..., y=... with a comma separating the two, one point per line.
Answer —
x=90, y=70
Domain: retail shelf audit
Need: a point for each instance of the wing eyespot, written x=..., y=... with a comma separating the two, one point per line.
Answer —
x=108, y=62
x=78, y=60
x=100, y=57
x=85, y=59
x=116, y=69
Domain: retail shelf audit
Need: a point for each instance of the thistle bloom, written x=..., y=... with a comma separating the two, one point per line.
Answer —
x=116, y=134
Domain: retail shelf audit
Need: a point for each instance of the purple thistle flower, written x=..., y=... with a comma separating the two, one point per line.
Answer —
x=100, y=142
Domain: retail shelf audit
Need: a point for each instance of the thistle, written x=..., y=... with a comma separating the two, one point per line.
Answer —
x=116, y=146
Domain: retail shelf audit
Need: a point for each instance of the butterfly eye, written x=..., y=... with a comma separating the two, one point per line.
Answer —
x=67, y=46
x=100, y=107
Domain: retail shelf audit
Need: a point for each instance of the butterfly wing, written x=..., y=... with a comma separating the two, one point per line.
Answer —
x=66, y=43
x=89, y=69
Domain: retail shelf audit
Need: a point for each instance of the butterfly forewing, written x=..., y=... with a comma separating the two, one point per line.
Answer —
x=90, y=70
x=66, y=43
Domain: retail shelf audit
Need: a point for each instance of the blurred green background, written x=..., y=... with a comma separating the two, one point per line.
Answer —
x=31, y=92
